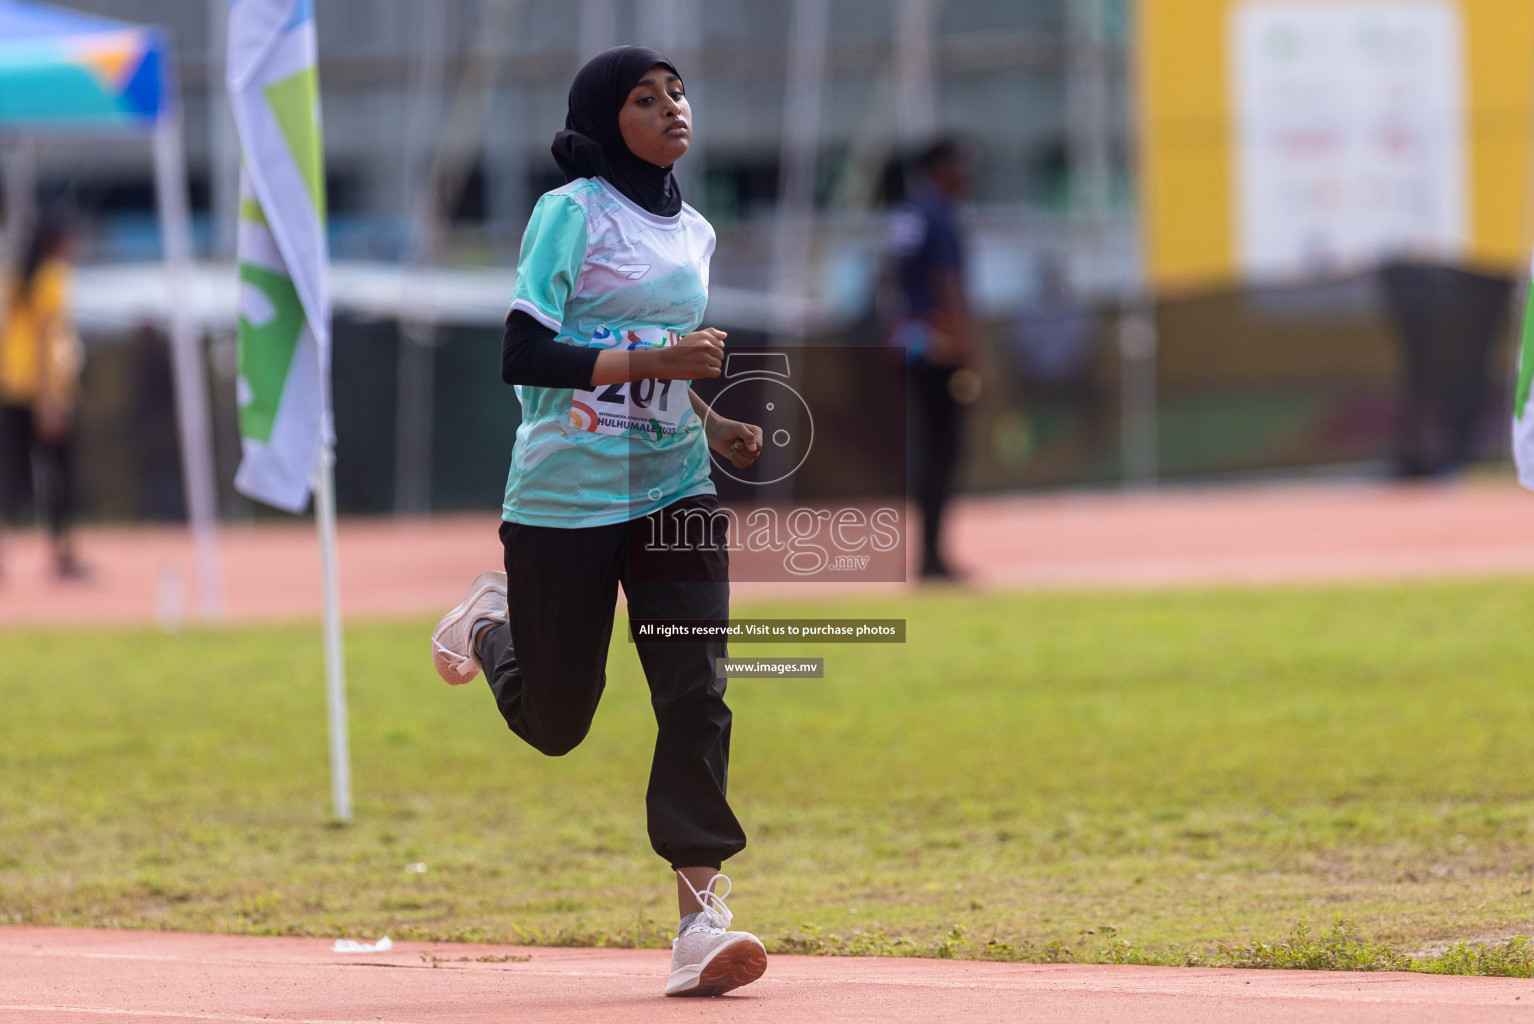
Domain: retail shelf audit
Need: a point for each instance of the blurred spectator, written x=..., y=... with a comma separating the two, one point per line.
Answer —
x=1054, y=335
x=1052, y=346
x=937, y=330
x=40, y=363
x=1447, y=320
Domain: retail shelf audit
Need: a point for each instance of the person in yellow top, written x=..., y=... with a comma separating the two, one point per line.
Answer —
x=40, y=363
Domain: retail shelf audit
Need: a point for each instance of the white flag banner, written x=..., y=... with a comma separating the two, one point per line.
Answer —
x=1523, y=400
x=284, y=325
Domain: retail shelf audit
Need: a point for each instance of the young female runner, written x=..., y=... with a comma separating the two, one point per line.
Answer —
x=611, y=459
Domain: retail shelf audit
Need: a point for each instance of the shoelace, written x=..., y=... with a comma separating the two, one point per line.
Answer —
x=715, y=914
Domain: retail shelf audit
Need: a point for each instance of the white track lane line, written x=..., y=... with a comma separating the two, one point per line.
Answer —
x=235, y=1018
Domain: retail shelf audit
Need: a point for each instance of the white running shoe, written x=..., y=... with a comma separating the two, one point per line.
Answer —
x=452, y=642
x=708, y=959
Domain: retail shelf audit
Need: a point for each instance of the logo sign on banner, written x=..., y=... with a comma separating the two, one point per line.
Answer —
x=1350, y=134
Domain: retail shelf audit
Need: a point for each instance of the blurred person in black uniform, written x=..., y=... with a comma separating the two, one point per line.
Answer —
x=40, y=363
x=937, y=330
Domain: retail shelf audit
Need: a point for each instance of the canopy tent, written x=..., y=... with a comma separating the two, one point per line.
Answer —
x=64, y=74
x=61, y=70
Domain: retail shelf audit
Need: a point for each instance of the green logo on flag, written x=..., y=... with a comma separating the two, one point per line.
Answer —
x=266, y=351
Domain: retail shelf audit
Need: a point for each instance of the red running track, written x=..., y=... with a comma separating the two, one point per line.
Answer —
x=65, y=976
x=1253, y=535
x=1246, y=536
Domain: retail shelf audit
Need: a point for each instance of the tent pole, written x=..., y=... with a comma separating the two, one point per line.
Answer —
x=335, y=667
x=187, y=365
x=20, y=194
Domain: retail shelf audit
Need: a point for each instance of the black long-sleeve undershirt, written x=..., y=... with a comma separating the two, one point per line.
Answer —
x=531, y=356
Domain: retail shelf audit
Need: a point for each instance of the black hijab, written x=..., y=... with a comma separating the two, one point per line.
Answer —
x=592, y=144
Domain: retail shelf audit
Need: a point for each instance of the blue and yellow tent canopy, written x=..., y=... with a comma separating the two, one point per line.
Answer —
x=61, y=70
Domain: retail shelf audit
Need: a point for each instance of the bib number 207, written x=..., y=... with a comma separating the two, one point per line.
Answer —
x=648, y=393
x=641, y=408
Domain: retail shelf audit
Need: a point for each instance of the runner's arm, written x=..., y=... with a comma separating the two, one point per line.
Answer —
x=740, y=442
x=531, y=356
x=697, y=355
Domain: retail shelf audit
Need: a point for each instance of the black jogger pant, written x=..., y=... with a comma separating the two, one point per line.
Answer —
x=938, y=420
x=547, y=666
x=25, y=458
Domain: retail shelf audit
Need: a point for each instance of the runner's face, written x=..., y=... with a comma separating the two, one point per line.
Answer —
x=656, y=121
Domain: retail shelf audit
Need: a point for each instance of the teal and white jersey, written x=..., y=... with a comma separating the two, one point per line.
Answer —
x=600, y=272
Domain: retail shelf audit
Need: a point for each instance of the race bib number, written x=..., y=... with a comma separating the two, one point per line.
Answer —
x=651, y=408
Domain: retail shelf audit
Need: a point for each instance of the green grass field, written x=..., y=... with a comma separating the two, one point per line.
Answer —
x=1084, y=776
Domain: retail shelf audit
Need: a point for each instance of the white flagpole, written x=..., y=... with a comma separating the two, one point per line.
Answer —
x=335, y=669
x=193, y=420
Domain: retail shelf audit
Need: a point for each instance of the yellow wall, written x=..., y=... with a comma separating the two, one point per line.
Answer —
x=1187, y=162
